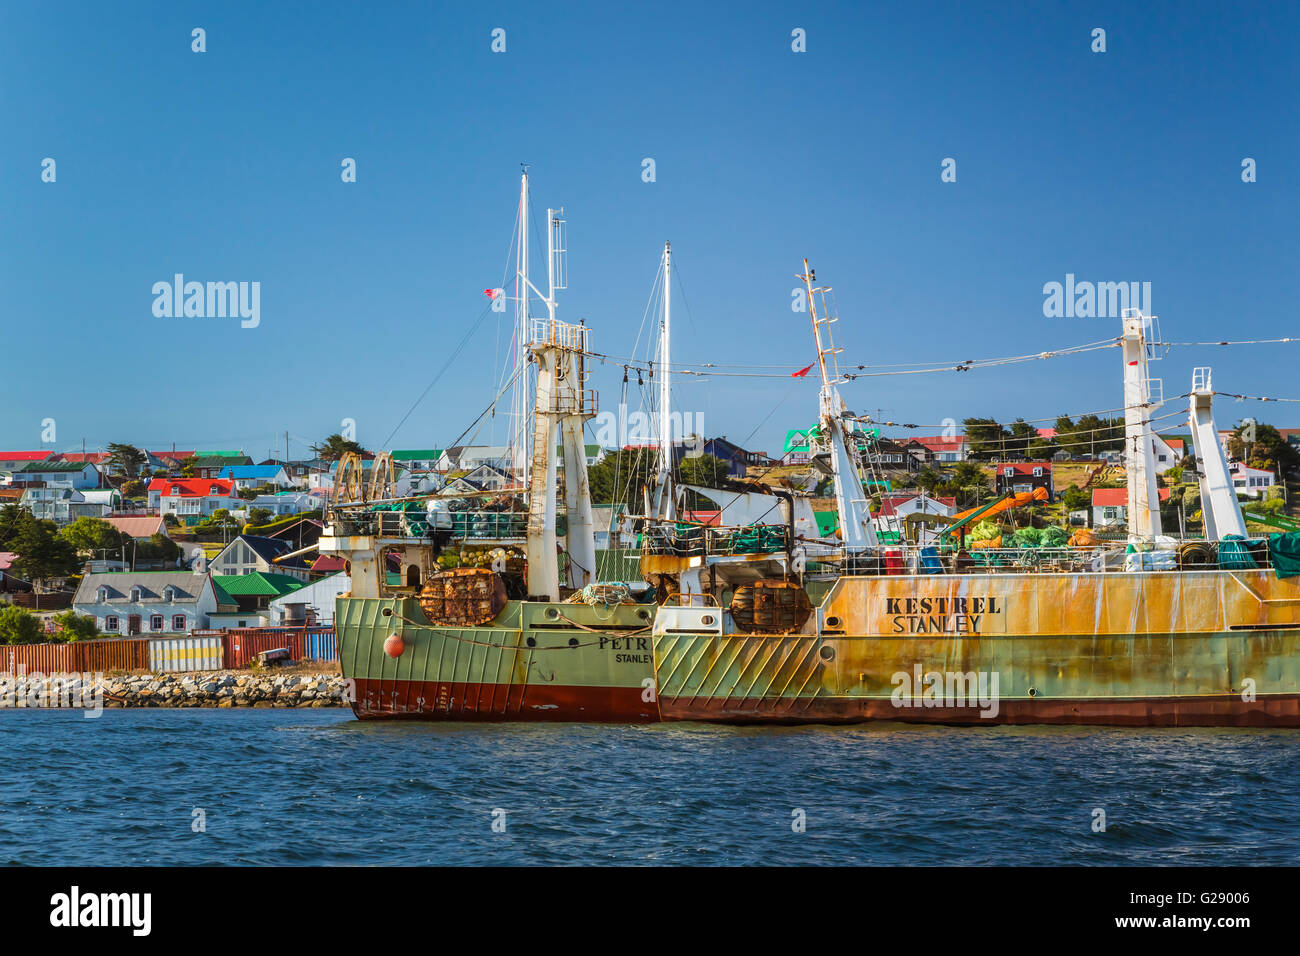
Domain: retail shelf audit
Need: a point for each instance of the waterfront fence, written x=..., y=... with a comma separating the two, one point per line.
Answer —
x=199, y=651
x=243, y=644
x=176, y=654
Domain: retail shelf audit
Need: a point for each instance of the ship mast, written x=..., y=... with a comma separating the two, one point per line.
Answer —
x=661, y=505
x=519, y=403
x=1220, y=510
x=855, y=513
x=561, y=408
x=1139, y=449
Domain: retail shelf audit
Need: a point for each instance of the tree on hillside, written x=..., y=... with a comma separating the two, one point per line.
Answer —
x=705, y=470
x=76, y=627
x=335, y=447
x=620, y=476
x=984, y=437
x=127, y=457
x=18, y=626
x=1022, y=435
x=10, y=518
x=40, y=553
x=1269, y=450
x=90, y=535
x=1090, y=435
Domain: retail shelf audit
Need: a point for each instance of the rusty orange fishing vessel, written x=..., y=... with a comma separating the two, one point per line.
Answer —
x=765, y=618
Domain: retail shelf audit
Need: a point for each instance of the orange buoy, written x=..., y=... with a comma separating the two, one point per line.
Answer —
x=394, y=645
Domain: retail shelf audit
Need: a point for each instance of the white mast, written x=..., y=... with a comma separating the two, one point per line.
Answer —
x=561, y=407
x=662, y=501
x=1139, y=450
x=519, y=411
x=1220, y=509
x=855, y=513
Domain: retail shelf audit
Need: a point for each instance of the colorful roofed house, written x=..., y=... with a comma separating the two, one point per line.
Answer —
x=74, y=474
x=139, y=527
x=1015, y=477
x=251, y=553
x=209, y=464
x=191, y=499
x=12, y=461
x=255, y=476
x=937, y=449
x=252, y=594
x=1110, y=506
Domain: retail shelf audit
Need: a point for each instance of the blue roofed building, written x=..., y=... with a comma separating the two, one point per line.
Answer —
x=256, y=476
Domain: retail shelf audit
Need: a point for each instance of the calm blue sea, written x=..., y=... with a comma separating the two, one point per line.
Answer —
x=289, y=787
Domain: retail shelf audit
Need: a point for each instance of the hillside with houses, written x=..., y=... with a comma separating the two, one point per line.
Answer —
x=136, y=541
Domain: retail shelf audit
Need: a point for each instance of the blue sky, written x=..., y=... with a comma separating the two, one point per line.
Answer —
x=1115, y=166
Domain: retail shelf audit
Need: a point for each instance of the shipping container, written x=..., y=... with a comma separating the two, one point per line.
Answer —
x=38, y=658
x=172, y=654
x=321, y=646
x=103, y=656
x=243, y=644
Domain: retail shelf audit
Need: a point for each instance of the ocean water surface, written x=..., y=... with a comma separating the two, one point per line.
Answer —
x=292, y=787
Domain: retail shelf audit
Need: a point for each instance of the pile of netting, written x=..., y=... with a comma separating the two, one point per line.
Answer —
x=604, y=594
x=756, y=539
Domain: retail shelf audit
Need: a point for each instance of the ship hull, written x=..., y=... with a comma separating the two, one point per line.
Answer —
x=1143, y=650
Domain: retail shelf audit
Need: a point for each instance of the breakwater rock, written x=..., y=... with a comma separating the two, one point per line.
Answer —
x=225, y=689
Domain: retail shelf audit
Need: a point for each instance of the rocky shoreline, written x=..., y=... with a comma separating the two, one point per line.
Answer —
x=225, y=689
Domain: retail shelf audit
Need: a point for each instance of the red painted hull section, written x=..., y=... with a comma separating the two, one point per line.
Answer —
x=441, y=700
x=447, y=700
x=1226, y=711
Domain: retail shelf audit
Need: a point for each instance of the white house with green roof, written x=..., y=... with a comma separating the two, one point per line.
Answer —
x=252, y=595
x=419, y=459
x=78, y=475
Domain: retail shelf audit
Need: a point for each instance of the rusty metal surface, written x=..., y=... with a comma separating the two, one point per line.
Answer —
x=112, y=655
x=771, y=606
x=1150, y=649
x=463, y=597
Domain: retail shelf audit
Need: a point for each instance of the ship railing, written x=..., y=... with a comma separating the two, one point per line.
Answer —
x=414, y=523
x=1108, y=556
x=548, y=332
x=580, y=402
x=687, y=540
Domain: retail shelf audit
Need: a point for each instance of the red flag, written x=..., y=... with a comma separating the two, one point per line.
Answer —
x=802, y=372
x=491, y=293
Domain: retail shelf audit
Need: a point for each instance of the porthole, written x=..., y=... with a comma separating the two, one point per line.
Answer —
x=707, y=620
x=387, y=612
x=552, y=613
x=573, y=642
x=531, y=642
x=832, y=621
x=1033, y=692
x=827, y=653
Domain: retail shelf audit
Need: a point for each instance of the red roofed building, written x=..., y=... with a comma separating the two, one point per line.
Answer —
x=1014, y=477
x=937, y=449
x=1110, y=506
x=24, y=455
x=79, y=458
x=192, y=499
x=140, y=527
